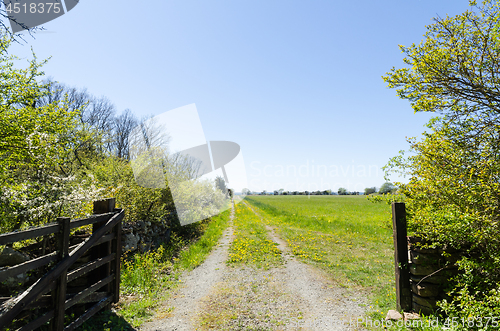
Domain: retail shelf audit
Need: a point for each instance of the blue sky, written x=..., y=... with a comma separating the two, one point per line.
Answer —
x=297, y=84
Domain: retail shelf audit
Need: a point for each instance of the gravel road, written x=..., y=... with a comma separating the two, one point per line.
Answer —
x=294, y=296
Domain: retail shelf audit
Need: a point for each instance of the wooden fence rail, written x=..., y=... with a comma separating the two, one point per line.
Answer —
x=103, y=272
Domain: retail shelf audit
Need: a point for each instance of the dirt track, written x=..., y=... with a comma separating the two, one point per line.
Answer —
x=294, y=296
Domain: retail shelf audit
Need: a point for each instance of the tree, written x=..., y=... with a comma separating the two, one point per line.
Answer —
x=342, y=191
x=280, y=191
x=452, y=196
x=245, y=191
x=370, y=190
x=387, y=187
x=220, y=183
x=123, y=125
x=5, y=29
x=453, y=71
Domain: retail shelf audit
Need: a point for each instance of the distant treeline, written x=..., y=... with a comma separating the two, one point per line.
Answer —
x=385, y=188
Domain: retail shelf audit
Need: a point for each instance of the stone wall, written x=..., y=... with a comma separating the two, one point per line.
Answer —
x=431, y=271
x=143, y=236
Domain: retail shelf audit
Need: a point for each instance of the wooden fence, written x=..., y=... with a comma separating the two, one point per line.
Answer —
x=46, y=301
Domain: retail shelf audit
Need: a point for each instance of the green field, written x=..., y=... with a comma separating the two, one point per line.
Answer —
x=347, y=236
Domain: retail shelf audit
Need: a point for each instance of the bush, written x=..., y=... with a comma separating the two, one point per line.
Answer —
x=370, y=190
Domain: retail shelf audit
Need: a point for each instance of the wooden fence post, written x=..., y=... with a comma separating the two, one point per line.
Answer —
x=62, y=242
x=103, y=250
x=403, y=290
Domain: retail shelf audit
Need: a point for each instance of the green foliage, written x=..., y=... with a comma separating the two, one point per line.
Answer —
x=141, y=274
x=388, y=198
x=144, y=277
x=37, y=181
x=387, y=188
x=370, y=190
x=199, y=199
x=452, y=195
x=342, y=191
x=453, y=70
x=141, y=203
x=220, y=183
x=476, y=314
